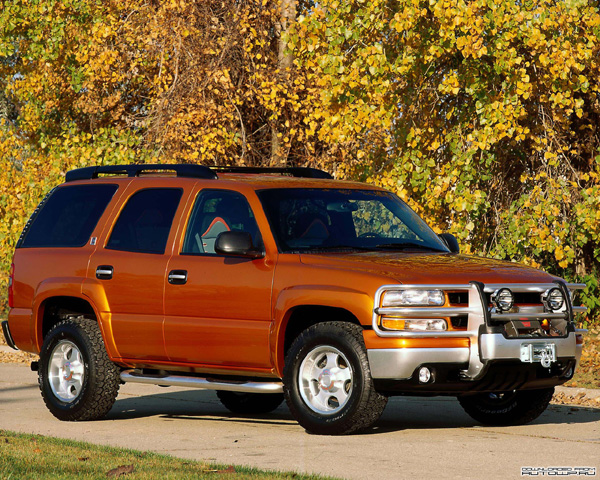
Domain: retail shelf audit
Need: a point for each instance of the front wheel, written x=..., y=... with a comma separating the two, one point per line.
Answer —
x=327, y=380
x=507, y=408
x=77, y=379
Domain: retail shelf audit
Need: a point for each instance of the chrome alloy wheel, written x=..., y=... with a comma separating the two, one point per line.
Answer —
x=66, y=371
x=325, y=380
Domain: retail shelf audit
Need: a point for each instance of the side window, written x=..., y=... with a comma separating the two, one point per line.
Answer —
x=68, y=216
x=217, y=211
x=145, y=221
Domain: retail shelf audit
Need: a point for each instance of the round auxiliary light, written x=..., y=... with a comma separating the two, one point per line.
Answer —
x=503, y=299
x=424, y=375
x=553, y=299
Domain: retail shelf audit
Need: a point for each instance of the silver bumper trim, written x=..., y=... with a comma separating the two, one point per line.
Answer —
x=495, y=347
x=400, y=363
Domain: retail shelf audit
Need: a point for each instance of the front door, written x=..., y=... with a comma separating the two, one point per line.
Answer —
x=218, y=308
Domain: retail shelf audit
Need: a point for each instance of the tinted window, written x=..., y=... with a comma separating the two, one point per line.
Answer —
x=68, y=217
x=217, y=211
x=332, y=219
x=145, y=222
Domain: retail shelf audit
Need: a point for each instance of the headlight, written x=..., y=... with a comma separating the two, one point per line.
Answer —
x=415, y=324
x=503, y=299
x=553, y=299
x=412, y=298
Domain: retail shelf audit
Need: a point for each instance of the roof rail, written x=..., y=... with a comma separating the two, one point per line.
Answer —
x=303, y=172
x=182, y=170
x=189, y=170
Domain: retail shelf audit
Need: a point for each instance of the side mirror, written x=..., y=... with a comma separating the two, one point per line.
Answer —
x=237, y=244
x=450, y=241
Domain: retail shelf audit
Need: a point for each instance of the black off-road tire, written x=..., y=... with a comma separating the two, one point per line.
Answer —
x=508, y=408
x=99, y=385
x=250, y=403
x=362, y=406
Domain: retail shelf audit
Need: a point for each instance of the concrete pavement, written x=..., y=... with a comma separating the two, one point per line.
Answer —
x=416, y=438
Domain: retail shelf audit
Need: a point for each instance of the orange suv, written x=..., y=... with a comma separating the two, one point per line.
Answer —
x=270, y=283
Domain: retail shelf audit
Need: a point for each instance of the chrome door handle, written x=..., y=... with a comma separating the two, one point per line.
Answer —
x=177, y=277
x=104, y=272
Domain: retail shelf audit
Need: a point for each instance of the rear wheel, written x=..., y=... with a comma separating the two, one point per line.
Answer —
x=327, y=380
x=250, y=403
x=77, y=379
x=507, y=408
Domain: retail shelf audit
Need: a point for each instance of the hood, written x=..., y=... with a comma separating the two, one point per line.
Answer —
x=429, y=268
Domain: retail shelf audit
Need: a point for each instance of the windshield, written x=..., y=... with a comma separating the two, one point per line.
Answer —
x=314, y=219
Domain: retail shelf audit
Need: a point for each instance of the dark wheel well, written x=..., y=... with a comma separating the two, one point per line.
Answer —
x=57, y=309
x=308, y=315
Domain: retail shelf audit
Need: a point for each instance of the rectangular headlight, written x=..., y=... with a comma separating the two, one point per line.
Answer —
x=412, y=298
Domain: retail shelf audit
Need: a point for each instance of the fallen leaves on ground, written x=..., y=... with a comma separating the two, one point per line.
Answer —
x=120, y=470
x=579, y=398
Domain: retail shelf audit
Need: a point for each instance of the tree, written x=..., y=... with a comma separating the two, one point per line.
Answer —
x=483, y=114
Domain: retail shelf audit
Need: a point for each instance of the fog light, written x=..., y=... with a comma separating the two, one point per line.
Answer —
x=553, y=299
x=424, y=375
x=503, y=299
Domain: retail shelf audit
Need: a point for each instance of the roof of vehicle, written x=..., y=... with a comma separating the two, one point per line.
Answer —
x=254, y=177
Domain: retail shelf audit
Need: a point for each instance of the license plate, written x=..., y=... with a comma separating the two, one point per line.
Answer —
x=545, y=353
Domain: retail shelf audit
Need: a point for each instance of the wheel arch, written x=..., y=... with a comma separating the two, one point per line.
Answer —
x=68, y=298
x=302, y=307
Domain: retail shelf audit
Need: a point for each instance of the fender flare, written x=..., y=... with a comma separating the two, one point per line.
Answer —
x=356, y=302
x=90, y=291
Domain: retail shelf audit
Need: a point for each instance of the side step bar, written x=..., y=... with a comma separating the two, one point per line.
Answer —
x=134, y=376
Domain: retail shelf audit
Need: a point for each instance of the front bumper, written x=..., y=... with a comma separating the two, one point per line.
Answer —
x=489, y=350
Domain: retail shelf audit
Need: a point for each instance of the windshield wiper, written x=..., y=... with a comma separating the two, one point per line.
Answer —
x=406, y=246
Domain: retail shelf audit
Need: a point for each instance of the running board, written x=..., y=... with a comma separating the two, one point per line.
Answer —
x=133, y=376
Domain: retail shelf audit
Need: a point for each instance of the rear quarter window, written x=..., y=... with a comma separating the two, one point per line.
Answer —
x=68, y=216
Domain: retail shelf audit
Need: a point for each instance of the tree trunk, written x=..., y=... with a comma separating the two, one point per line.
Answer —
x=285, y=62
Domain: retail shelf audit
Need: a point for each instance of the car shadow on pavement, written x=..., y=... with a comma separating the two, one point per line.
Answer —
x=402, y=413
x=429, y=414
x=190, y=405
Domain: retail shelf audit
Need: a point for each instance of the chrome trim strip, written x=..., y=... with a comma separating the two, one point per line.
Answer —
x=530, y=287
x=424, y=312
x=519, y=316
x=494, y=346
x=400, y=363
x=196, y=382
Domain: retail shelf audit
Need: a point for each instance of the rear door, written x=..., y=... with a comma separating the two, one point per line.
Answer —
x=132, y=263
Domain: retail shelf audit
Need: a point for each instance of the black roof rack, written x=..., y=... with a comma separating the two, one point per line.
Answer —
x=182, y=170
x=303, y=172
x=189, y=170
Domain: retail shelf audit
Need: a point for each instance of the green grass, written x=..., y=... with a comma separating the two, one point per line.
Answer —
x=38, y=457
